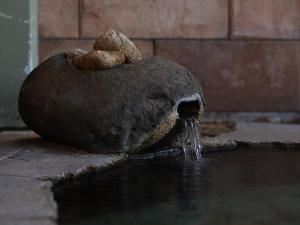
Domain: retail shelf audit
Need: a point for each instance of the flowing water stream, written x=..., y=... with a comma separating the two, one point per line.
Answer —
x=190, y=138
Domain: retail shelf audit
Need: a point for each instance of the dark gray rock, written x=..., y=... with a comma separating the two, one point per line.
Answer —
x=123, y=108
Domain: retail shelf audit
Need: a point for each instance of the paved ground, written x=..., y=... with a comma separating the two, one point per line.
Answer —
x=265, y=135
x=28, y=164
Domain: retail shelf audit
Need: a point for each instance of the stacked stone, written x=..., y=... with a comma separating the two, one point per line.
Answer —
x=110, y=49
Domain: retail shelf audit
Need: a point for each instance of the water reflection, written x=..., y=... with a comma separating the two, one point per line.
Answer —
x=240, y=187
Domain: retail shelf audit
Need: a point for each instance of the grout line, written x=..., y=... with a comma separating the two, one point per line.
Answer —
x=154, y=47
x=241, y=39
x=136, y=38
x=65, y=39
x=298, y=76
x=231, y=40
x=264, y=39
x=175, y=39
x=79, y=18
x=9, y=156
x=230, y=15
x=87, y=38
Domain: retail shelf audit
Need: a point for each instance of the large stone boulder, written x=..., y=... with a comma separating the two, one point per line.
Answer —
x=120, y=109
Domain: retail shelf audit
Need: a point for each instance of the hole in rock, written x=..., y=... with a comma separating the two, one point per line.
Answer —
x=188, y=109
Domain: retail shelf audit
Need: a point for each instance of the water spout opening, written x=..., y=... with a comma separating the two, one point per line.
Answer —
x=189, y=109
x=185, y=136
x=190, y=137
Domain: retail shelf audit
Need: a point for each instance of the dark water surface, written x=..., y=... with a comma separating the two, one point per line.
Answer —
x=243, y=187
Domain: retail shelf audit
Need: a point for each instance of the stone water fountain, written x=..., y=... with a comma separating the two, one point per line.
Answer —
x=108, y=99
x=112, y=100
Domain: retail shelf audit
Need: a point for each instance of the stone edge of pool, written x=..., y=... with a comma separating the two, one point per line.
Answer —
x=28, y=166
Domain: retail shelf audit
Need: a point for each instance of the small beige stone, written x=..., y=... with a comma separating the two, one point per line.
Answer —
x=116, y=41
x=97, y=60
x=76, y=52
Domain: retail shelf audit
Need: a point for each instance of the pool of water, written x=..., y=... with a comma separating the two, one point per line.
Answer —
x=241, y=187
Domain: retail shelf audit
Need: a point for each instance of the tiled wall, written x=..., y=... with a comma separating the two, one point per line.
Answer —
x=245, y=53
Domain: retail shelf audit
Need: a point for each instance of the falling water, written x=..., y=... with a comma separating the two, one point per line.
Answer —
x=190, y=138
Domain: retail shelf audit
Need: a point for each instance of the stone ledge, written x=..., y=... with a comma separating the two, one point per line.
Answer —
x=27, y=164
x=258, y=117
x=211, y=144
x=265, y=135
